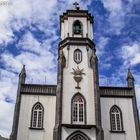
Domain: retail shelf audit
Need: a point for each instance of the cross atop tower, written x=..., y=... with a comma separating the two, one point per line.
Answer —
x=76, y=5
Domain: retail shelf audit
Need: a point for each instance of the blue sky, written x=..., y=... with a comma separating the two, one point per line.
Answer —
x=29, y=34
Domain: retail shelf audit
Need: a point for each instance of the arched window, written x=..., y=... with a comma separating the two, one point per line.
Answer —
x=77, y=27
x=77, y=56
x=37, y=116
x=78, y=109
x=78, y=135
x=116, y=119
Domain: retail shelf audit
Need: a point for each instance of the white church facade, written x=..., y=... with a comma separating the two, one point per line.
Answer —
x=77, y=108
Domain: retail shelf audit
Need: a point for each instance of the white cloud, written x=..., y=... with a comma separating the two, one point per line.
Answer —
x=5, y=118
x=102, y=43
x=24, y=13
x=118, y=10
x=116, y=14
x=8, y=80
x=131, y=54
x=38, y=58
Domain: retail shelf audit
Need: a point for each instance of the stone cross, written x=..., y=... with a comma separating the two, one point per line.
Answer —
x=76, y=4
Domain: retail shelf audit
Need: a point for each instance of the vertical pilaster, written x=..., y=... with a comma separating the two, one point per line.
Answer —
x=131, y=84
x=22, y=78
x=58, y=118
x=94, y=65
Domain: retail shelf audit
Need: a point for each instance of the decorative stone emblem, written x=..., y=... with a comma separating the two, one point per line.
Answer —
x=78, y=76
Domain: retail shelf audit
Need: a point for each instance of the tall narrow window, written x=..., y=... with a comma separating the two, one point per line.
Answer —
x=78, y=56
x=77, y=27
x=116, y=119
x=37, y=116
x=78, y=109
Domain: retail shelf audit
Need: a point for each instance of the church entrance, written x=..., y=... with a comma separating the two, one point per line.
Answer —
x=78, y=135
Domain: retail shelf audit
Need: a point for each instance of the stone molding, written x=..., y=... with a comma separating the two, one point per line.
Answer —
x=38, y=89
x=76, y=13
x=116, y=92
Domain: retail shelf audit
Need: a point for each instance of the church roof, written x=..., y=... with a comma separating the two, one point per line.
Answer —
x=116, y=91
x=37, y=89
x=50, y=90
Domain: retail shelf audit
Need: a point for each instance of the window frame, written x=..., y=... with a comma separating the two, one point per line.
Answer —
x=84, y=110
x=37, y=119
x=77, y=53
x=116, y=120
x=78, y=133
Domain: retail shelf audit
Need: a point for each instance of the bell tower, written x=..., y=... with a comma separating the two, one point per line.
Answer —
x=77, y=100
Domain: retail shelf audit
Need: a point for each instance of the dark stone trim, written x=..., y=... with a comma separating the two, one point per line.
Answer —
x=79, y=126
x=44, y=94
x=31, y=121
x=36, y=128
x=22, y=78
x=76, y=13
x=94, y=66
x=14, y=132
x=76, y=41
x=116, y=96
x=118, y=132
x=116, y=92
x=85, y=114
x=121, y=117
x=74, y=56
x=111, y=87
x=39, y=85
x=35, y=89
x=77, y=133
x=59, y=96
x=136, y=115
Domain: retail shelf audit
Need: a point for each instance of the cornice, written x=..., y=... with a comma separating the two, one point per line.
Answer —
x=117, y=92
x=76, y=41
x=76, y=13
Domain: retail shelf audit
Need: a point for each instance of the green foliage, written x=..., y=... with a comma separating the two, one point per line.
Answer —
x=2, y=138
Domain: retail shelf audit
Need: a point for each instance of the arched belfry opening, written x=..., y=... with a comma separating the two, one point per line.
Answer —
x=78, y=135
x=77, y=27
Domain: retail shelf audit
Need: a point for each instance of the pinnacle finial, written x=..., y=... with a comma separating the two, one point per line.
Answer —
x=23, y=71
x=129, y=75
x=130, y=79
x=22, y=75
x=76, y=5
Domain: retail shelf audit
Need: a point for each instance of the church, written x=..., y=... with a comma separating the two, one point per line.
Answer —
x=77, y=108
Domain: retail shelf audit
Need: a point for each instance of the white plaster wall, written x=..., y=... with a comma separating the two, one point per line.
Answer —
x=27, y=102
x=91, y=133
x=67, y=27
x=125, y=104
x=69, y=84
